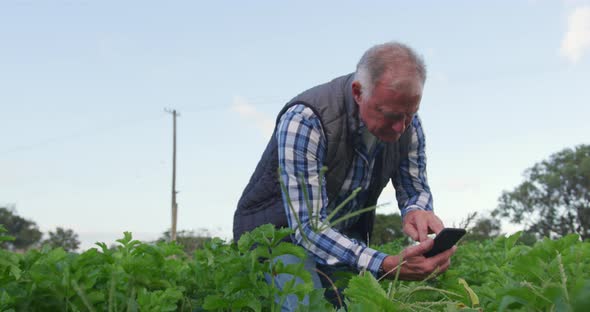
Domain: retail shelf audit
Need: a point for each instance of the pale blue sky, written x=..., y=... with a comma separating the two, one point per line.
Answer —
x=86, y=144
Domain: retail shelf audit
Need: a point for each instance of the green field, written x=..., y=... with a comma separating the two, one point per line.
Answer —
x=494, y=275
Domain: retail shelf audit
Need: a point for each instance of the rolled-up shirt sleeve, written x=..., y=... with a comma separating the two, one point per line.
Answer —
x=410, y=182
x=301, y=152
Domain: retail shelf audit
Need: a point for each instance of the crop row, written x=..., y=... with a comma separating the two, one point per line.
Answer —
x=495, y=275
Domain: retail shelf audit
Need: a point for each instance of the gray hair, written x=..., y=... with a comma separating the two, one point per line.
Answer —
x=384, y=59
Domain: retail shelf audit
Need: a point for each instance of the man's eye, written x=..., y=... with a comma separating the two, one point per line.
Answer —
x=395, y=117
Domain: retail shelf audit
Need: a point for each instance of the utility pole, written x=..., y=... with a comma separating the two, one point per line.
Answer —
x=174, y=203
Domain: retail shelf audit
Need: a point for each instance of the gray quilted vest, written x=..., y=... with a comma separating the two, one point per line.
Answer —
x=333, y=103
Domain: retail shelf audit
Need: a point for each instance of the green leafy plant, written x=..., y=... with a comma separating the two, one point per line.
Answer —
x=491, y=275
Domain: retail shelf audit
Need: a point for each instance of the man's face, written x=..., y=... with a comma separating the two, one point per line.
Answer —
x=388, y=112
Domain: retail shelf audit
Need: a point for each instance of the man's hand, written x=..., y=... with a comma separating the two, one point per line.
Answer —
x=419, y=223
x=416, y=266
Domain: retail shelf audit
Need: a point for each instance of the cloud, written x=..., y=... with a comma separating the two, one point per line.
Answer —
x=440, y=77
x=462, y=185
x=577, y=38
x=262, y=121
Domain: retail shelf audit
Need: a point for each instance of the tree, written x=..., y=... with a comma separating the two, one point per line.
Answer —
x=484, y=228
x=25, y=232
x=387, y=228
x=189, y=240
x=66, y=239
x=554, y=199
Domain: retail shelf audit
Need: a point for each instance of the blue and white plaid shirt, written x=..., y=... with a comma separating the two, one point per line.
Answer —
x=302, y=151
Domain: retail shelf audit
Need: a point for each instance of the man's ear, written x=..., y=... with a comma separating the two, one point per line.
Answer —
x=357, y=91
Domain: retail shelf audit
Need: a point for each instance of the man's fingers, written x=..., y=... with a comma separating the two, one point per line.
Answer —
x=411, y=231
x=419, y=249
x=422, y=227
x=444, y=256
x=445, y=266
x=436, y=225
x=419, y=223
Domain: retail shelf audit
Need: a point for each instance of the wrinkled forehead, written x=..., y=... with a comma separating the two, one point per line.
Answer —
x=403, y=80
x=400, y=95
x=408, y=87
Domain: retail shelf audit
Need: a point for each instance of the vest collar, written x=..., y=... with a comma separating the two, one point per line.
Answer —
x=356, y=125
x=354, y=122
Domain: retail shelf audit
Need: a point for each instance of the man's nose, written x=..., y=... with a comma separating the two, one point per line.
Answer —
x=399, y=126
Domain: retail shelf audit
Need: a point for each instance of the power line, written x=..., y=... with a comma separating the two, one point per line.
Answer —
x=79, y=134
x=120, y=124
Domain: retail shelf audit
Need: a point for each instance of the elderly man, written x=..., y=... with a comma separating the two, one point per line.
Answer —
x=365, y=129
